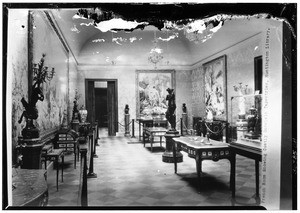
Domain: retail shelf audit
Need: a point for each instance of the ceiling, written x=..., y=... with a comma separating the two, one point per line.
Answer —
x=79, y=32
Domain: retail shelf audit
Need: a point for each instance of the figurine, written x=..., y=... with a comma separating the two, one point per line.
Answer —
x=170, y=114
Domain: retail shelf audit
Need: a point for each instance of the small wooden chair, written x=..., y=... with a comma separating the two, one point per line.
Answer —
x=50, y=154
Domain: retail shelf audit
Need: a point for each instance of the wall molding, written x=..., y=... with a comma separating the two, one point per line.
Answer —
x=59, y=34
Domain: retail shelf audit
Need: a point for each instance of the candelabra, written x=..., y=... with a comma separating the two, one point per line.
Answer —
x=40, y=75
x=41, y=72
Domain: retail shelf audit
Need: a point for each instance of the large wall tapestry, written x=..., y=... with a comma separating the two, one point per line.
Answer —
x=152, y=91
x=215, y=88
x=53, y=109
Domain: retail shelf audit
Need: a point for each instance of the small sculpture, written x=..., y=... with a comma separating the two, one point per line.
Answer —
x=252, y=121
x=183, y=108
x=126, y=110
x=170, y=114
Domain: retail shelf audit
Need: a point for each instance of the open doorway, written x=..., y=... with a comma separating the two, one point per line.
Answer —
x=102, y=103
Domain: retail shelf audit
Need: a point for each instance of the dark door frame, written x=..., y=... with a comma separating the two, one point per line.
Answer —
x=116, y=95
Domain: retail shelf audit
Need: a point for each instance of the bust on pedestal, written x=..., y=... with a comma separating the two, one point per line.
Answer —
x=127, y=119
x=171, y=133
x=184, y=119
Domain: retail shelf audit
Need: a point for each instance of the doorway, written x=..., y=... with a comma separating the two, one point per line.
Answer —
x=102, y=103
x=101, y=106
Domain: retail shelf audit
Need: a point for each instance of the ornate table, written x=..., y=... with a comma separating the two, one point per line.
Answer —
x=29, y=187
x=152, y=132
x=201, y=149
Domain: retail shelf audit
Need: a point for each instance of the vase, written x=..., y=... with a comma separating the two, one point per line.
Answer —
x=83, y=115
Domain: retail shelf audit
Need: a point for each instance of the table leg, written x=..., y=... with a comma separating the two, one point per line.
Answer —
x=257, y=177
x=144, y=138
x=174, y=157
x=199, y=169
x=62, y=167
x=151, y=141
x=57, y=172
x=139, y=130
x=160, y=140
x=75, y=157
x=232, y=174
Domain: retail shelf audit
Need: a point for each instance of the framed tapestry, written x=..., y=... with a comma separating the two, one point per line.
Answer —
x=151, y=91
x=215, y=72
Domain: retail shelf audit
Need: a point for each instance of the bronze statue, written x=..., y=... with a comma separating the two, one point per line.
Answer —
x=170, y=114
x=40, y=74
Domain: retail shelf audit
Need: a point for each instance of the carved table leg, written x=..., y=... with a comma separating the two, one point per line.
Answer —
x=232, y=173
x=199, y=169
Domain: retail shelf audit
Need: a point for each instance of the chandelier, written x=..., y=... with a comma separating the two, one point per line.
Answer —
x=156, y=54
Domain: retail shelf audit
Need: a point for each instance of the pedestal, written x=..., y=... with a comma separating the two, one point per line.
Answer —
x=127, y=121
x=31, y=153
x=167, y=156
x=184, y=123
x=75, y=125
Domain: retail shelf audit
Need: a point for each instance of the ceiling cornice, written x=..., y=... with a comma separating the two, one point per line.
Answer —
x=59, y=33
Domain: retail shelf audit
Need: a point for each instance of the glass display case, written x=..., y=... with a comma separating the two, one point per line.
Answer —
x=245, y=118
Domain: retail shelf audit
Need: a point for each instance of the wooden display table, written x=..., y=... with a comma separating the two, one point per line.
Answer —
x=149, y=121
x=200, y=149
x=250, y=149
x=152, y=132
x=29, y=187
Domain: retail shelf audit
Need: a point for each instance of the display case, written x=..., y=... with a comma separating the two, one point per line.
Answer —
x=245, y=118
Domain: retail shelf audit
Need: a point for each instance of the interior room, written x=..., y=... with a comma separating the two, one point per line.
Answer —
x=149, y=106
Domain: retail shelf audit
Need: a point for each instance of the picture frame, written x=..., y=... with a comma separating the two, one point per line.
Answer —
x=215, y=82
x=151, y=91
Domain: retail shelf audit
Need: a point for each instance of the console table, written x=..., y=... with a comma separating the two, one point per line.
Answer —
x=250, y=149
x=201, y=149
x=152, y=132
x=29, y=187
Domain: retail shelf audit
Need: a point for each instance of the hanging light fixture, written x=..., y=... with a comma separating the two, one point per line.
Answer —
x=156, y=54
